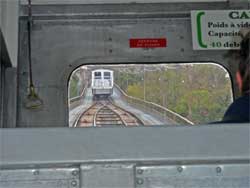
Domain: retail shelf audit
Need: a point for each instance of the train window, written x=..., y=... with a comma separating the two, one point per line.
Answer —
x=149, y=94
x=98, y=75
x=106, y=75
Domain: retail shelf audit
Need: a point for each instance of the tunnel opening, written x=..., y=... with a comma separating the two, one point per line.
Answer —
x=129, y=95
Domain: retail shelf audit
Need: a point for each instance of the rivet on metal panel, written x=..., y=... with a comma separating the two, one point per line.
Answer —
x=182, y=50
x=110, y=51
x=139, y=181
x=218, y=169
x=180, y=169
x=75, y=173
x=74, y=183
x=35, y=172
x=110, y=39
x=60, y=183
x=139, y=171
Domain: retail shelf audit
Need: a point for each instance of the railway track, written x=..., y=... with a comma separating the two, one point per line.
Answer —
x=105, y=113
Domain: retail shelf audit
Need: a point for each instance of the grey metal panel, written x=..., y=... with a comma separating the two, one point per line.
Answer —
x=202, y=144
x=114, y=11
x=40, y=178
x=37, y=2
x=1, y=91
x=64, y=44
x=9, y=14
x=4, y=55
x=49, y=114
x=237, y=4
x=10, y=98
x=107, y=176
x=195, y=176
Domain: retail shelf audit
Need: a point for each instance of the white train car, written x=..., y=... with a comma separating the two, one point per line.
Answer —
x=102, y=83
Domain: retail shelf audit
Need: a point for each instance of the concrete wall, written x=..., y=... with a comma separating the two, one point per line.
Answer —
x=9, y=12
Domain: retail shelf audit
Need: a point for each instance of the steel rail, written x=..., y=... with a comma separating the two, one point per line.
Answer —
x=105, y=105
x=131, y=114
x=78, y=119
x=114, y=109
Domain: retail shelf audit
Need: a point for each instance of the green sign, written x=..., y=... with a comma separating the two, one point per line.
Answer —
x=218, y=30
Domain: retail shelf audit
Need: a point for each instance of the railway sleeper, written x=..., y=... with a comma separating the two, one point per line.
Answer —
x=109, y=122
x=105, y=112
x=107, y=116
x=108, y=119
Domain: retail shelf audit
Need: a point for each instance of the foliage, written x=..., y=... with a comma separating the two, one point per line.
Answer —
x=199, y=92
x=73, y=84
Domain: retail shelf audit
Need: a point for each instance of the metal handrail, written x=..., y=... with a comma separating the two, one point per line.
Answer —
x=76, y=101
x=73, y=99
x=155, y=107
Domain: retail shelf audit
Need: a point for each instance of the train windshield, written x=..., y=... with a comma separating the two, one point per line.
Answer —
x=107, y=75
x=148, y=94
x=98, y=75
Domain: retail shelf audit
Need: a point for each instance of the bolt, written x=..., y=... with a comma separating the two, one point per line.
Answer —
x=110, y=39
x=218, y=169
x=75, y=173
x=35, y=172
x=182, y=50
x=74, y=183
x=60, y=183
x=180, y=169
x=110, y=51
x=139, y=171
x=139, y=181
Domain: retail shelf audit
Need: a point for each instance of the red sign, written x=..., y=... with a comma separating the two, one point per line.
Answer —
x=148, y=43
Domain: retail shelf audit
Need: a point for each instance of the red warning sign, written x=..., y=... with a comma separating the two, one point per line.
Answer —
x=148, y=43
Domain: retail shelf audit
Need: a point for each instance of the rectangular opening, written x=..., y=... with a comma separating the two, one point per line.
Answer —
x=149, y=95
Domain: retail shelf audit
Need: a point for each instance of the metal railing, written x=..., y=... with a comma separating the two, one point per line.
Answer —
x=154, y=108
x=76, y=101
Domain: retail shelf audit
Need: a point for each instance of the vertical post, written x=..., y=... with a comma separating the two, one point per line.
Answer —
x=144, y=88
x=127, y=79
